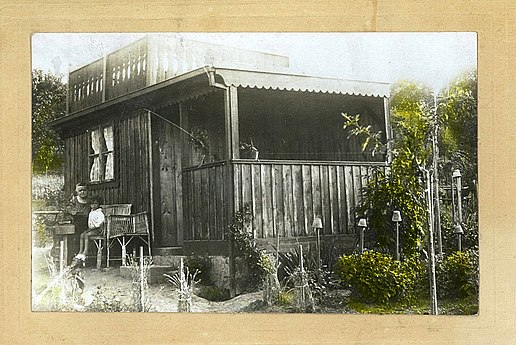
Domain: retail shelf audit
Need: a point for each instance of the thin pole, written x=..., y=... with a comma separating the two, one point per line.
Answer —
x=454, y=211
x=302, y=275
x=433, y=285
x=61, y=256
x=142, y=277
x=459, y=200
x=398, y=241
x=436, y=179
x=318, y=255
x=362, y=240
x=318, y=249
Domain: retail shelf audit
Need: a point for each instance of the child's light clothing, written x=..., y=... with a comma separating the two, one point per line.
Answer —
x=95, y=218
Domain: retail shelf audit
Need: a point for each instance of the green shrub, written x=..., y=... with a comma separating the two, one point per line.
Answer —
x=377, y=278
x=458, y=276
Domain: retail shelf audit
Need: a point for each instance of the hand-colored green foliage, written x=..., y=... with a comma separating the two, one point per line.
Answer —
x=377, y=278
x=458, y=276
x=469, y=240
x=458, y=115
x=48, y=103
x=400, y=187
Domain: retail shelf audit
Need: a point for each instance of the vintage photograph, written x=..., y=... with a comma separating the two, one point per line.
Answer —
x=255, y=173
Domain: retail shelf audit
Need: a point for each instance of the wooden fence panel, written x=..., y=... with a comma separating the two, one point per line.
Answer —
x=285, y=197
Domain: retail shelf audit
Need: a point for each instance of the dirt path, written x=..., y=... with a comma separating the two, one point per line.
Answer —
x=163, y=296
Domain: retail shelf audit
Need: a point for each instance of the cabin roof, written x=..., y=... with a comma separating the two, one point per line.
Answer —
x=301, y=82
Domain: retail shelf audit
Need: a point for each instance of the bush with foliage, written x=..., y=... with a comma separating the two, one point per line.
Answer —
x=377, y=278
x=458, y=276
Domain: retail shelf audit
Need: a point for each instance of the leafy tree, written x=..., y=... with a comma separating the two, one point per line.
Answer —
x=458, y=115
x=400, y=187
x=48, y=103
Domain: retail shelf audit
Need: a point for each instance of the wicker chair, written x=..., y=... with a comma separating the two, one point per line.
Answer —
x=101, y=240
x=124, y=228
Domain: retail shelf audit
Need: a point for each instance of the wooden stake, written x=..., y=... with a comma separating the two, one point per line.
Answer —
x=142, y=280
x=61, y=256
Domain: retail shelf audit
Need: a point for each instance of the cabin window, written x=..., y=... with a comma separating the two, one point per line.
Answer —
x=101, y=156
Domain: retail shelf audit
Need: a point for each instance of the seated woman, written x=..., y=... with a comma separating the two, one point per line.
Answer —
x=95, y=227
x=78, y=208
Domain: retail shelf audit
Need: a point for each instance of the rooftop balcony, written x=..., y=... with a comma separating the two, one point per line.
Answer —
x=154, y=59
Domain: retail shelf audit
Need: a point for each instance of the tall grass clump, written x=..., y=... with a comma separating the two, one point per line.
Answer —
x=184, y=282
x=63, y=291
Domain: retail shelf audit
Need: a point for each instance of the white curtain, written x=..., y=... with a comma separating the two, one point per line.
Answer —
x=96, y=147
x=109, y=168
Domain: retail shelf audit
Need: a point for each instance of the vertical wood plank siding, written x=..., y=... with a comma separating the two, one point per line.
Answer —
x=131, y=184
x=168, y=193
x=203, y=202
x=286, y=196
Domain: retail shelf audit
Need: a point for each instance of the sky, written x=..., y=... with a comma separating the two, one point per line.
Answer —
x=434, y=59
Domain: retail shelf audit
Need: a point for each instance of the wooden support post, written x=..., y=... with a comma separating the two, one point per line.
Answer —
x=232, y=152
x=388, y=129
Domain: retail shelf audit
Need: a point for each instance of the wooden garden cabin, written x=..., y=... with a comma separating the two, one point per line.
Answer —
x=123, y=136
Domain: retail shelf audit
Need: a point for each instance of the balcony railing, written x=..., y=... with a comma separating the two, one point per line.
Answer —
x=151, y=60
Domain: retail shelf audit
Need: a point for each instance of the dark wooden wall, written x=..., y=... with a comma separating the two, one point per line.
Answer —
x=205, y=112
x=131, y=184
x=168, y=203
x=204, y=202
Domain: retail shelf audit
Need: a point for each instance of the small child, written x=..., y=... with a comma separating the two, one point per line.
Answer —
x=95, y=226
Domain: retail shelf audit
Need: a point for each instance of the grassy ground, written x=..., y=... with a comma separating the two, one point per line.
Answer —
x=420, y=307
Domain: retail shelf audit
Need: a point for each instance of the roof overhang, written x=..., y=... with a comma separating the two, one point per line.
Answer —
x=299, y=82
x=188, y=84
